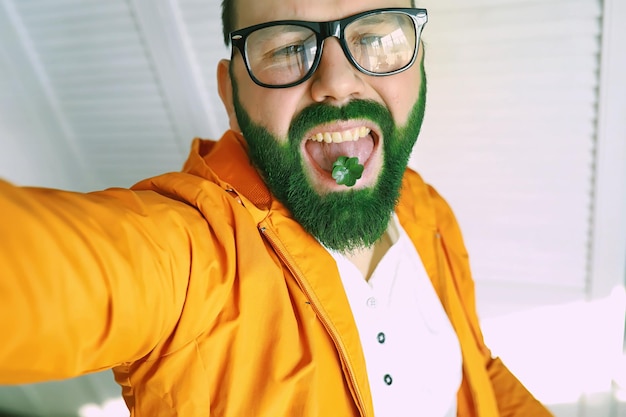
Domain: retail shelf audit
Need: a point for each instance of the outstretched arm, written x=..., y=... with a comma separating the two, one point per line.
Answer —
x=88, y=281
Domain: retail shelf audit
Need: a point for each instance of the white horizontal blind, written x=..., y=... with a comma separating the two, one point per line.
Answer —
x=203, y=26
x=27, y=114
x=104, y=81
x=508, y=138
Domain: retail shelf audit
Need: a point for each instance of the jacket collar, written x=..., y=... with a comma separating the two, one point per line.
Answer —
x=227, y=160
x=226, y=163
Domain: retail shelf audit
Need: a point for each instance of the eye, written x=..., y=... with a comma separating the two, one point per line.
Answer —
x=367, y=40
x=288, y=51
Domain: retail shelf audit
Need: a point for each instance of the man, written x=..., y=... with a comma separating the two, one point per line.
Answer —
x=292, y=269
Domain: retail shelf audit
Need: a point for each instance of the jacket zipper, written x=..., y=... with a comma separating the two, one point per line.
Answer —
x=282, y=253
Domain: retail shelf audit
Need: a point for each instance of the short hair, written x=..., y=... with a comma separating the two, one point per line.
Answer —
x=228, y=18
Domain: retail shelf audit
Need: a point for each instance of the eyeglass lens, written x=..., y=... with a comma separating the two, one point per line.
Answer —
x=379, y=43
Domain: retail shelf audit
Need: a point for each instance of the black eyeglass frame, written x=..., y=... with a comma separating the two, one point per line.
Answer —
x=325, y=30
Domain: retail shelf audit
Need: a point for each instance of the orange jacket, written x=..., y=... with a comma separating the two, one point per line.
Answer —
x=208, y=299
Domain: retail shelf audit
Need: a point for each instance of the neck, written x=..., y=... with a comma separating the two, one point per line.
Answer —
x=366, y=260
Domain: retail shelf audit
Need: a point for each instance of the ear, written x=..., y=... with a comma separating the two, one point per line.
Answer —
x=225, y=90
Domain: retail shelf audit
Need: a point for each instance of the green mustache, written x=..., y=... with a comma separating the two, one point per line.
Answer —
x=321, y=113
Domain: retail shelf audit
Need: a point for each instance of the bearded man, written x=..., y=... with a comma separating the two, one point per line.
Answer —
x=296, y=267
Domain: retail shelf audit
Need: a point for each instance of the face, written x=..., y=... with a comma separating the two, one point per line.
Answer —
x=280, y=126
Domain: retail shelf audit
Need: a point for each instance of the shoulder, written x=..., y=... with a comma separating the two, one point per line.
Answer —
x=422, y=206
x=424, y=200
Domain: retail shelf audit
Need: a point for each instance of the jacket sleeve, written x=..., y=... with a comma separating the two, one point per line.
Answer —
x=513, y=399
x=89, y=281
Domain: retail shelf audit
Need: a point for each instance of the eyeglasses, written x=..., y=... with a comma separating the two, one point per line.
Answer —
x=286, y=53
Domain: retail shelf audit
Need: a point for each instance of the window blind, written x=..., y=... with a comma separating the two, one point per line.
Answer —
x=508, y=138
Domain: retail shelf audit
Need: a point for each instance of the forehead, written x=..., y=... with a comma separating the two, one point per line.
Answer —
x=252, y=12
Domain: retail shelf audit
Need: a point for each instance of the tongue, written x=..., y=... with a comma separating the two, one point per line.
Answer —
x=325, y=154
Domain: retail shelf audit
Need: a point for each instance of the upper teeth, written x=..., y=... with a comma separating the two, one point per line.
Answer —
x=338, y=137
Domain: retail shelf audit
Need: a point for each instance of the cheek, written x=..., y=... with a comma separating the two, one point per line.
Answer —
x=276, y=113
x=401, y=94
x=272, y=108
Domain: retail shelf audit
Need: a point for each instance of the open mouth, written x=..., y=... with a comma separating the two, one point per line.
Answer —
x=325, y=144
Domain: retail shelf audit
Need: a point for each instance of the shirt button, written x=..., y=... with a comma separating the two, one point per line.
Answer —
x=388, y=379
x=371, y=302
x=381, y=337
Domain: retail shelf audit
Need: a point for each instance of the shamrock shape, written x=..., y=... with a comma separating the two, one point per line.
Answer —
x=347, y=170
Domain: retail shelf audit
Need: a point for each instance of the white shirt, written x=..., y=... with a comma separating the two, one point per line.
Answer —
x=411, y=351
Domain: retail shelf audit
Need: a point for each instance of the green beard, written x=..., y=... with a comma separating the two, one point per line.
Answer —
x=342, y=221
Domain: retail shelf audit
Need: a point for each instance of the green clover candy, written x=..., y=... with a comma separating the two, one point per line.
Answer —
x=347, y=170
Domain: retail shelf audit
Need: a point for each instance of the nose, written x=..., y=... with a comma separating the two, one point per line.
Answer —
x=336, y=80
